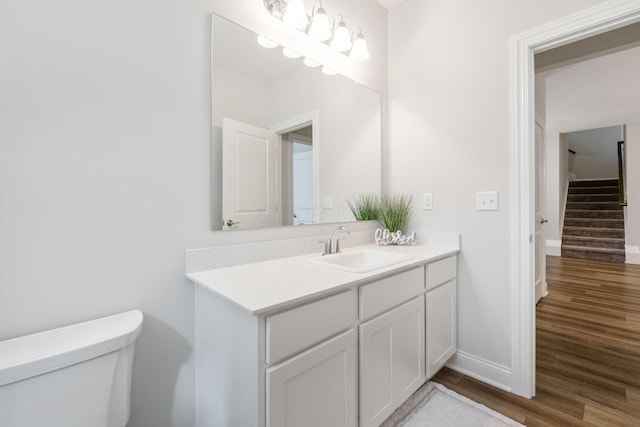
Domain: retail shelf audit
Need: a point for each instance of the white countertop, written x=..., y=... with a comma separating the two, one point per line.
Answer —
x=271, y=285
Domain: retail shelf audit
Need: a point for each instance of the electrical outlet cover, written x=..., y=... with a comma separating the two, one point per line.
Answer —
x=487, y=201
x=327, y=202
x=427, y=201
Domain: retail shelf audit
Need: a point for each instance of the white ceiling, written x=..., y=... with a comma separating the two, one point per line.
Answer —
x=388, y=4
x=595, y=93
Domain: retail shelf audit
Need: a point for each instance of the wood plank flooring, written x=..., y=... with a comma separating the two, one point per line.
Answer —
x=588, y=351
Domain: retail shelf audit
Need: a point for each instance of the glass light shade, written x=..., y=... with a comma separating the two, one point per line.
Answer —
x=310, y=63
x=290, y=53
x=328, y=71
x=320, y=29
x=341, y=40
x=294, y=14
x=359, y=51
x=265, y=42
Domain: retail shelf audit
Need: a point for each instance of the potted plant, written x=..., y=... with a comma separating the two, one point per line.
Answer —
x=395, y=211
x=365, y=207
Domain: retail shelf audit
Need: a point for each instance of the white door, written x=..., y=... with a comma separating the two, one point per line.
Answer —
x=540, y=239
x=249, y=175
x=441, y=326
x=303, y=188
x=316, y=388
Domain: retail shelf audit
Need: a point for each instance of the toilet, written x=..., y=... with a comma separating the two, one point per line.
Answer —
x=75, y=376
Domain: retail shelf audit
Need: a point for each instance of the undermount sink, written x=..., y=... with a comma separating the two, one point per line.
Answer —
x=360, y=261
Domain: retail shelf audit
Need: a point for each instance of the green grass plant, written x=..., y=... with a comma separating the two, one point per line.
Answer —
x=365, y=207
x=396, y=211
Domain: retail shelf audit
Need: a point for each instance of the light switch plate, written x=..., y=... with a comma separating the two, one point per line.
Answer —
x=327, y=202
x=487, y=201
x=427, y=201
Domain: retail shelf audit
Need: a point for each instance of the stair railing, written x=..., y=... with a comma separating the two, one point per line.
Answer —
x=621, y=173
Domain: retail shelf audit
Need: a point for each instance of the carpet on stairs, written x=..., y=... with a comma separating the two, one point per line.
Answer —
x=594, y=221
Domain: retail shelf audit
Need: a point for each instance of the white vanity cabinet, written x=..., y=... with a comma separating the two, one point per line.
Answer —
x=392, y=344
x=347, y=355
x=441, y=313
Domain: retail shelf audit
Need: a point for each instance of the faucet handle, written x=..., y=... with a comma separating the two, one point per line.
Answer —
x=337, y=248
x=327, y=246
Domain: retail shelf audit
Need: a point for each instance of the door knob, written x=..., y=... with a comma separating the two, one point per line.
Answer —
x=543, y=221
x=231, y=223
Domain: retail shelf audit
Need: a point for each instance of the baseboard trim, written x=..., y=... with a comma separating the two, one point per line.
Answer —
x=553, y=247
x=483, y=370
x=632, y=254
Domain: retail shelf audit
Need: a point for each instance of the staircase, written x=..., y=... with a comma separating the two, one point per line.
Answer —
x=594, y=221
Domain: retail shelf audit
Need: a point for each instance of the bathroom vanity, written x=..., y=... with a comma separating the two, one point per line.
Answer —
x=289, y=343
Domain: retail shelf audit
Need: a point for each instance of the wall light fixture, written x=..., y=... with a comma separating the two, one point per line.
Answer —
x=319, y=28
x=316, y=26
x=359, y=51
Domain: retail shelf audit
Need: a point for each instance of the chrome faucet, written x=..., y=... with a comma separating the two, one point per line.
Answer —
x=332, y=246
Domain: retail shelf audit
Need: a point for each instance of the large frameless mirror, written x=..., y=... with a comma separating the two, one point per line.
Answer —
x=290, y=145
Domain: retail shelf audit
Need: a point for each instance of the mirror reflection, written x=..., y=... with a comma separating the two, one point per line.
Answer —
x=290, y=145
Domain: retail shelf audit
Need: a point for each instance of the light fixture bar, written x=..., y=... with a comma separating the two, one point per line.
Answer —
x=316, y=26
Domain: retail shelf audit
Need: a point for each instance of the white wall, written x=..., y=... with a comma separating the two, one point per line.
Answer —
x=563, y=178
x=596, y=152
x=449, y=110
x=232, y=92
x=557, y=177
x=105, y=171
x=632, y=211
x=553, y=191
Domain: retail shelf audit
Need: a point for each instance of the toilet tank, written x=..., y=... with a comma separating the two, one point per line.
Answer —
x=78, y=375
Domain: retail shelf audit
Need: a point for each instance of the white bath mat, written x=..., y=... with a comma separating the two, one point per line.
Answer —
x=442, y=407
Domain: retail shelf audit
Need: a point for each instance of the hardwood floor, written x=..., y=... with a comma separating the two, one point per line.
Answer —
x=588, y=351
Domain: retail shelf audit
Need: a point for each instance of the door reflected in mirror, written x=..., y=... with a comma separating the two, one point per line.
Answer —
x=290, y=145
x=297, y=177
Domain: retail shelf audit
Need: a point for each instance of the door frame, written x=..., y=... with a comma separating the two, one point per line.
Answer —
x=290, y=125
x=595, y=20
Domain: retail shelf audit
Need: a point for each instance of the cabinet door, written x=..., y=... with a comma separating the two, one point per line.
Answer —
x=392, y=360
x=441, y=326
x=316, y=388
x=377, y=395
x=409, y=366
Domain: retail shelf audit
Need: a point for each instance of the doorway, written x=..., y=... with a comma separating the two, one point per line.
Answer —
x=297, y=177
x=595, y=20
x=299, y=142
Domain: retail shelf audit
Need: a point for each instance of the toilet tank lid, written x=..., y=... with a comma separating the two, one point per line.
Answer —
x=36, y=354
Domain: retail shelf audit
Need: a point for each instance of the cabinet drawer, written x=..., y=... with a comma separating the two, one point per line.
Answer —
x=440, y=272
x=387, y=293
x=299, y=328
